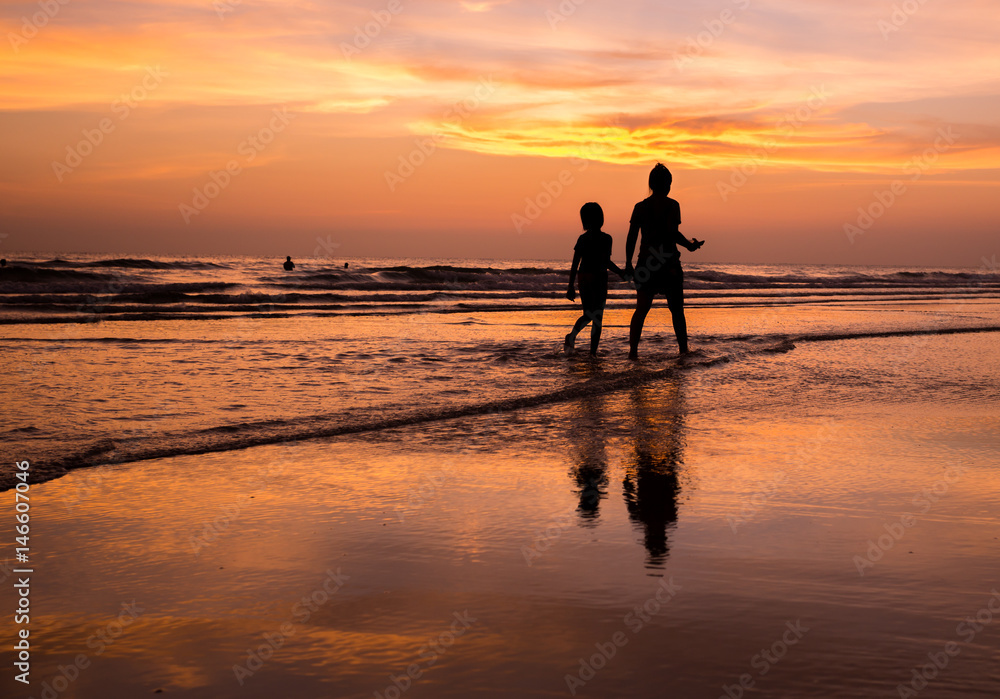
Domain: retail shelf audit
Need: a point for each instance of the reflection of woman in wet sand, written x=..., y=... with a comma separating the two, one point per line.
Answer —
x=659, y=265
x=651, y=485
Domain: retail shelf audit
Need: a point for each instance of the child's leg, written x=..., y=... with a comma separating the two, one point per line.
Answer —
x=580, y=324
x=595, y=330
x=587, y=300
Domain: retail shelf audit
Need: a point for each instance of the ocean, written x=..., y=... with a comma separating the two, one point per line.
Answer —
x=76, y=288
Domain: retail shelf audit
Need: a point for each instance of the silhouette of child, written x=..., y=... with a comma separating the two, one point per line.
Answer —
x=289, y=265
x=592, y=256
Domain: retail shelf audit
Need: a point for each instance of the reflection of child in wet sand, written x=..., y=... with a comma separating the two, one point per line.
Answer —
x=592, y=256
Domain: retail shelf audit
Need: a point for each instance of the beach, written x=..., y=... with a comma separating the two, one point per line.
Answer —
x=494, y=349
x=423, y=496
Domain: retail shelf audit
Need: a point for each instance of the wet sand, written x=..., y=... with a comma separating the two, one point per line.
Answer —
x=813, y=523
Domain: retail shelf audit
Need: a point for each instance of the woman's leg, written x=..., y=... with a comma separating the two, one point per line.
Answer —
x=643, y=302
x=680, y=323
x=676, y=302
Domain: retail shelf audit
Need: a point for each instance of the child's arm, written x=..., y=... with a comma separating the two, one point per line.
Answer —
x=571, y=292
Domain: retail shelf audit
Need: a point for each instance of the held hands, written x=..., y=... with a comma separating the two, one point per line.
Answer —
x=695, y=244
x=629, y=273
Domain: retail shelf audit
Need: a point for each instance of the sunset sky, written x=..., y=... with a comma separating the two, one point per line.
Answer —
x=464, y=128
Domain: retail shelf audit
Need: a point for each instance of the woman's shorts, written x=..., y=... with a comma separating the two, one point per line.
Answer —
x=667, y=279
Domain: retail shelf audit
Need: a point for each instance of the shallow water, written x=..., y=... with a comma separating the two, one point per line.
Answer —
x=126, y=391
x=743, y=492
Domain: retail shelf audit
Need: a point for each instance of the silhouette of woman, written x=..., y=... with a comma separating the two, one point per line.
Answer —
x=659, y=264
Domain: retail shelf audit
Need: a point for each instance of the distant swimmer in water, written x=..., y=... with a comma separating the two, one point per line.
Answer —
x=658, y=269
x=592, y=256
x=3, y=262
x=345, y=265
x=289, y=265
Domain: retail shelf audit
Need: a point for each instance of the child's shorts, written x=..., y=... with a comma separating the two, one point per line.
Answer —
x=593, y=291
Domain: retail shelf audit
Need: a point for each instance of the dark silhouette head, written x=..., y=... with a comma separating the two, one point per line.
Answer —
x=660, y=179
x=3, y=262
x=288, y=259
x=592, y=216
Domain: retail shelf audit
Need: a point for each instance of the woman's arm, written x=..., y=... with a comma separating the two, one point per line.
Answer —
x=691, y=245
x=633, y=236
